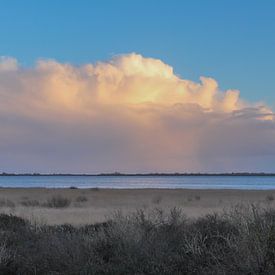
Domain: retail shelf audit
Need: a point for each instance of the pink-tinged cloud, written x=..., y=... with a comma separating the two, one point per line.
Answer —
x=131, y=114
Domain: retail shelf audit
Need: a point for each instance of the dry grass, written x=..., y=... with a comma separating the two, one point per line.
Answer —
x=23, y=202
x=6, y=203
x=30, y=203
x=197, y=197
x=270, y=198
x=81, y=199
x=57, y=202
x=95, y=189
x=157, y=199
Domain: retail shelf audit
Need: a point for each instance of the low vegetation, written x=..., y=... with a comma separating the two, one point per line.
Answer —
x=95, y=189
x=157, y=199
x=270, y=198
x=6, y=203
x=57, y=202
x=81, y=199
x=30, y=203
x=241, y=241
x=197, y=197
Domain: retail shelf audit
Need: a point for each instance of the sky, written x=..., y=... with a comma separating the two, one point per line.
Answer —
x=137, y=86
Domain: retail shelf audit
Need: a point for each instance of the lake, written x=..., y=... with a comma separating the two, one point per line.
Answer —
x=190, y=182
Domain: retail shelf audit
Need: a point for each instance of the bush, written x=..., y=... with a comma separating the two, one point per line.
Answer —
x=270, y=198
x=57, y=202
x=197, y=197
x=11, y=223
x=241, y=241
x=156, y=199
x=81, y=199
x=30, y=203
x=6, y=203
x=95, y=189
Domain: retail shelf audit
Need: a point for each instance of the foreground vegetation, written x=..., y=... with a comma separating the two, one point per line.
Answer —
x=241, y=241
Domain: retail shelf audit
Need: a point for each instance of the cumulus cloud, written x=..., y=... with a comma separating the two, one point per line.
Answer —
x=130, y=114
x=8, y=64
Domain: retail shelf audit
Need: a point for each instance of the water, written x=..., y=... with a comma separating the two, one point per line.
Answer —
x=118, y=182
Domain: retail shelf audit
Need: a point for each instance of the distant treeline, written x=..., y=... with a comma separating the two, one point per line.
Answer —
x=140, y=174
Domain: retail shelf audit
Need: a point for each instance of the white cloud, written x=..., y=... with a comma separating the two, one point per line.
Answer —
x=8, y=64
x=129, y=114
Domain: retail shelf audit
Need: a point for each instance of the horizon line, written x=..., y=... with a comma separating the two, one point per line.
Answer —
x=145, y=174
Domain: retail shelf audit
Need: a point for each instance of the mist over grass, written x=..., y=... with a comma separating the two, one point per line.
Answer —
x=241, y=241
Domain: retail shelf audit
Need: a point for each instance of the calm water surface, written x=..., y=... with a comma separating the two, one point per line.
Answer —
x=190, y=182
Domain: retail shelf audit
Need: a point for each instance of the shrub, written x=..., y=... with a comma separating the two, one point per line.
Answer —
x=270, y=198
x=157, y=199
x=11, y=223
x=6, y=203
x=95, y=189
x=197, y=197
x=57, y=202
x=30, y=203
x=81, y=199
x=241, y=241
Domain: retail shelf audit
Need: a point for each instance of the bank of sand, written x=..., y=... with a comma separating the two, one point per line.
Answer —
x=97, y=205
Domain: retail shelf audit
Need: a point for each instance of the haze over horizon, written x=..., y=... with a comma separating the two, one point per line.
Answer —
x=137, y=96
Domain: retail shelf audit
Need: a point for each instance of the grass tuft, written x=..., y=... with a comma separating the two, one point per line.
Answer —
x=81, y=199
x=270, y=198
x=6, y=203
x=30, y=203
x=96, y=189
x=57, y=202
x=157, y=199
x=197, y=197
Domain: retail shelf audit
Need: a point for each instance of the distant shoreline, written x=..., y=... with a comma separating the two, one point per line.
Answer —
x=116, y=174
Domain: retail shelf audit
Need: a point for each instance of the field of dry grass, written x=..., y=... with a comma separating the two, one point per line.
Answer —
x=85, y=206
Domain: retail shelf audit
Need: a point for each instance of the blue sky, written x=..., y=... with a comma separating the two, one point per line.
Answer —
x=232, y=41
x=58, y=118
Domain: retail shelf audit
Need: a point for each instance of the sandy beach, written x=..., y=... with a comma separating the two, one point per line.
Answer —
x=97, y=205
